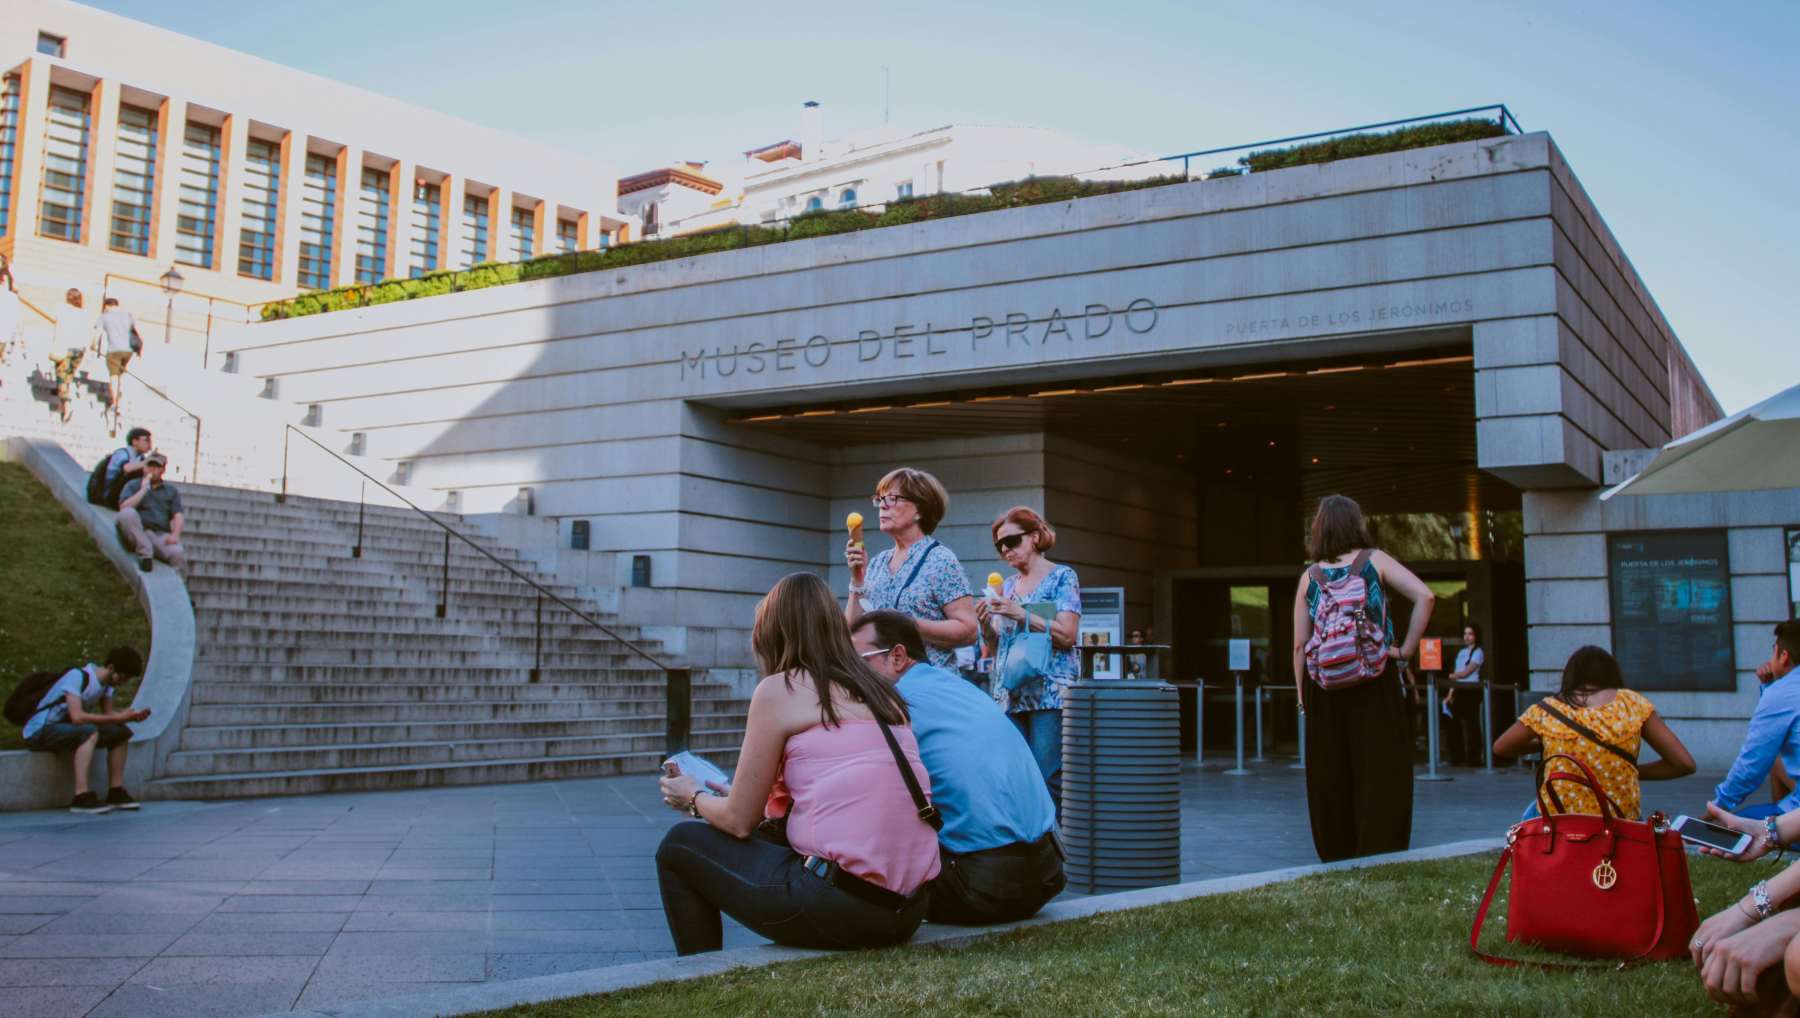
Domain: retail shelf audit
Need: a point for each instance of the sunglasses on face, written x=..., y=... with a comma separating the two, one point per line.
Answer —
x=867, y=654
x=885, y=501
x=1009, y=542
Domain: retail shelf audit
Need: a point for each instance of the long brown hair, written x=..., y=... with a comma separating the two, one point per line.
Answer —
x=1338, y=528
x=800, y=628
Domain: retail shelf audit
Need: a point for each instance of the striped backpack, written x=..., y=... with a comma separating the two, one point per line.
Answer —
x=1349, y=645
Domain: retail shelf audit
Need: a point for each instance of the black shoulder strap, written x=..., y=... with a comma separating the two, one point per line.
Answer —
x=918, y=564
x=1584, y=731
x=927, y=812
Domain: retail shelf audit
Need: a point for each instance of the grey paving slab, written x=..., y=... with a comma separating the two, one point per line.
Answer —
x=270, y=922
x=54, y=1001
x=323, y=992
x=230, y=1000
x=466, y=967
x=240, y=945
x=411, y=943
x=68, y=971
x=88, y=945
x=93, y=920
x=292, y=903
x=383, y=921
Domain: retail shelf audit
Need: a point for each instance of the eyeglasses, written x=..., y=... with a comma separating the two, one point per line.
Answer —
x=867, y=654
x=1009, y=542
x=884, y=501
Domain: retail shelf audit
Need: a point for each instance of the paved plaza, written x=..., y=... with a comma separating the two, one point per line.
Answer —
x=204, y=909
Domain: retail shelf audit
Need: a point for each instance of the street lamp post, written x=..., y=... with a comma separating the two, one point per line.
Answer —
x=171, y=285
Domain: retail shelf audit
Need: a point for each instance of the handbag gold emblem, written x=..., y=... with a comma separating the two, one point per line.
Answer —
x=1605, y=876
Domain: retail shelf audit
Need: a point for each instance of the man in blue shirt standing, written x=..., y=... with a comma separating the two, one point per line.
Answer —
x=1774, y=735
x=1001, y=859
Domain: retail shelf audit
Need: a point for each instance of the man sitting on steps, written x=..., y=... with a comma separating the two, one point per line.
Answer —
x=67, y=718
x=1001, y=860
x=150, y=517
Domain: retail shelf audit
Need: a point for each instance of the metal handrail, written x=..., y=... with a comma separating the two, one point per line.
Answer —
x=40, y=312
x=679, y=678
x=194, y=475
x=106, y=279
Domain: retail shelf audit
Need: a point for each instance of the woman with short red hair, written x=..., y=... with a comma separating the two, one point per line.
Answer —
x=1021, y=537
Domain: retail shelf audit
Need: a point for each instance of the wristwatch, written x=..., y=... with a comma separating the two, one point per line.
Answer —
x=694, y=802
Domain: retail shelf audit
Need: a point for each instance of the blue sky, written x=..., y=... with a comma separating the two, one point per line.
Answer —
x=1677, y=117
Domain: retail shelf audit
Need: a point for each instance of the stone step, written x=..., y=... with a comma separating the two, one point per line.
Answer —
x=349, y=614
x=412, y=753
x=236, y=577
x=383, y=712
x=413, y=660
x=491, y=772
x=265, y=674
x=217, y=737
x=206, y=691
x=399, y=634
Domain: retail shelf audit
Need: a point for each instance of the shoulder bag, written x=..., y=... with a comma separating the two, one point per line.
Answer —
x=1592, y=886
x=1024, y=653
x=1585, y=732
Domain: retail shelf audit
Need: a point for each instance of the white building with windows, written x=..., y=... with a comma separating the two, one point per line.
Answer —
x=807, y=173
x=127, y=150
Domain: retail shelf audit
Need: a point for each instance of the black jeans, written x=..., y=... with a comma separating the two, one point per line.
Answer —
x=997, y=885
x=703, y=871
x=1359, y=770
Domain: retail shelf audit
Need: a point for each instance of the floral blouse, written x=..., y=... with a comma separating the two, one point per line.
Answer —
x=1062, y=589
x=1620, y=721
x=941, y=580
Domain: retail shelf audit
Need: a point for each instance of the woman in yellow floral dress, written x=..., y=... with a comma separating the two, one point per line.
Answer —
x=1596, y=720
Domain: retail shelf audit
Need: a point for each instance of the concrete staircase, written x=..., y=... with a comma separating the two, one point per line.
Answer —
x=319, y=671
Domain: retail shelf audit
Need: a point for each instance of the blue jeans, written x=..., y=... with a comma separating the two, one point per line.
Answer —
x=1042, y=730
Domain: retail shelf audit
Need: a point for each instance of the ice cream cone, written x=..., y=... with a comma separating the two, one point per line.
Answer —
x=854, y=523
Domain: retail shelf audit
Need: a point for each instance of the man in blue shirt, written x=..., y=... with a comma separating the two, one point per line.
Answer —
x=1001, y=859
x=1774, y=735
x=76, y=713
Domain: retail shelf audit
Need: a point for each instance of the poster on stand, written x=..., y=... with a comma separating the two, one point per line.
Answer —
x=1102, y=622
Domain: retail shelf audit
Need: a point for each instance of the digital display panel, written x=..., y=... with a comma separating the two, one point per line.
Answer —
x=1671, y=610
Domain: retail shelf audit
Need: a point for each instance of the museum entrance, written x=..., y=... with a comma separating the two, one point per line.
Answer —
x=1191, y=491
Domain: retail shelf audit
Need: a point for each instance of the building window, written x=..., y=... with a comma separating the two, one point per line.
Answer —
x=134, y=180
x=428, y=227
x=475, y=230
x=52, y=45
x=568, y=235
x=64, y=189
x=815, y=203
x=1793, y=565
x=318, y=210
x=262, y=206
x=197, y=215
x=523, y=233
x=903, y=190
x=372, y=227
x=9, y=145
x=847, y=200
x=652, y=219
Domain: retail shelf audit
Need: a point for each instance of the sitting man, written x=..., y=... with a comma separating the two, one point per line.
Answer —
x=1774, y=735
x=1001, y=860
x=67, y=718
x=125, y=463
x=150, y=516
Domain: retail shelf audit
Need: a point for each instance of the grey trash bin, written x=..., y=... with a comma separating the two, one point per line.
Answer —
x=1121, y=785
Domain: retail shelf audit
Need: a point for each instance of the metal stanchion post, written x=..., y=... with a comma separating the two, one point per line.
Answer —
x=1487, y=727
x=1431, y=732
x=1260, y=693
x=1199, y=722
x=1300, y=728
x=1240, y=770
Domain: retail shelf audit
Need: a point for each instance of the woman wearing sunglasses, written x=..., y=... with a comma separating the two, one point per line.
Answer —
x=917, y=576
x=1021, y=537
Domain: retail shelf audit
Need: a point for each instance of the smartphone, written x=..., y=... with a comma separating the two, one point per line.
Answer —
x=1699, y=832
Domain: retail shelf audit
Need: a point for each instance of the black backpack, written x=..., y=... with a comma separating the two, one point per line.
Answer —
x=23, y=702
x=98, y=491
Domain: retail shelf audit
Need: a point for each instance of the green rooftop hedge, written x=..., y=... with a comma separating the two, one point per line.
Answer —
x=1030, y=191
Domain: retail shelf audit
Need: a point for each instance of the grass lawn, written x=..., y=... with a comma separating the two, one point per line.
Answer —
x=61, y=602
x=1389, y=941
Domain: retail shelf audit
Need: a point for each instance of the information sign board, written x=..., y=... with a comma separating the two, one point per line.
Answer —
x=1671, y=609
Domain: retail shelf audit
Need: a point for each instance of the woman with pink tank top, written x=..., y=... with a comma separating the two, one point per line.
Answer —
x=826, y=837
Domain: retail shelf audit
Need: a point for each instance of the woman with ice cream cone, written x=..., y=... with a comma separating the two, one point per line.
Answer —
x=918, y=575
x=1021, y=537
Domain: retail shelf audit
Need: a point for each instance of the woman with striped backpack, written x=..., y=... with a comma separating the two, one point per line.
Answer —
x=1359, y=771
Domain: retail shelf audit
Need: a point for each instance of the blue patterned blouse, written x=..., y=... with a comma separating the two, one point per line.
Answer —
x=941, y=580
x=1062, y=589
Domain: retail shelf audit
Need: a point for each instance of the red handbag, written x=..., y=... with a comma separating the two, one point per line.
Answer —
x=1593, y=886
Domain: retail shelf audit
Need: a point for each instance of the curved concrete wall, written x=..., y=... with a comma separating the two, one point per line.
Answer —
x=42, y=780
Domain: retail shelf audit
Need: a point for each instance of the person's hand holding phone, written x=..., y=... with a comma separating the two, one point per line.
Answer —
x=1759, y=845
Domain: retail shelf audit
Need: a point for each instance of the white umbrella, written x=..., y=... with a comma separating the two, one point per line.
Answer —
x=1748, y=451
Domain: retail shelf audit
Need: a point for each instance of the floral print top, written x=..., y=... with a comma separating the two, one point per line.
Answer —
x=1620, y=721
x=1062, y=589
x=940, y=581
